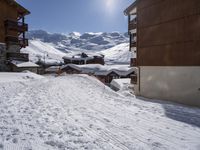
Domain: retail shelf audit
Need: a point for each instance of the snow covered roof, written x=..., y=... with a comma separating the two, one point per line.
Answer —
x=79, y=56
x=52, y=68
x=71, y=66
x=97, y=69
x=22, y=64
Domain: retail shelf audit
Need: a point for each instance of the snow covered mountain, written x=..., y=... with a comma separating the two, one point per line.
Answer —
x=86, y=41
x=52, y=47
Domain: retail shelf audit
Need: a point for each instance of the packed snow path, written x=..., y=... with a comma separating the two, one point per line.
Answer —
x=78, y=112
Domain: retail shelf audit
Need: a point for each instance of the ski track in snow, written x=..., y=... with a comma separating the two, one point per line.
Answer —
x=78, y=112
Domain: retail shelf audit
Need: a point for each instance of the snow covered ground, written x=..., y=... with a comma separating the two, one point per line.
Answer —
x=13, y=77
x=79, y=112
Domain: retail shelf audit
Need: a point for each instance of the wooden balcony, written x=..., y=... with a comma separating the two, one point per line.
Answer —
x=23, y=42
x=132, y=25
x=133, y=62
x=11, y=40
x=18, y=56
x=134, y=79
x=133, y=44
x=16, y=26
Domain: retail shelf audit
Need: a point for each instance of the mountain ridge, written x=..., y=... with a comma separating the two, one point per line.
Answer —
x=53, y=46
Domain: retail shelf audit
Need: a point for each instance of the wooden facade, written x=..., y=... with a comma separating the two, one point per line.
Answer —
x=166, y=37
x=167, y=32
x=12, y=33
x=12, y=23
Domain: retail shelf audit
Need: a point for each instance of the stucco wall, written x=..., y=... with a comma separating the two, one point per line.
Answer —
x=178, y=84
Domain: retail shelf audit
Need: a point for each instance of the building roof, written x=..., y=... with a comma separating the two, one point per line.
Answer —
x=82, y=56
x=22, y=64
x=130, y=8
x=20, y=8
x=71, y=66
x=101, y=70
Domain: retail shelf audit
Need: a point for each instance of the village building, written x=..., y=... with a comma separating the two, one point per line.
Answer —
x=104, y=73
x=83, y=58
x=12, y=36
x=71, y=69
x=165, y=36
x=19, y=66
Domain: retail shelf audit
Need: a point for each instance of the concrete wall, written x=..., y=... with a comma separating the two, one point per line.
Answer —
x=178, y=84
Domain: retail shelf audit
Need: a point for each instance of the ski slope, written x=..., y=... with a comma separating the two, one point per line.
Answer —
x=118, y=54
x=38, y=49
x=77, y=112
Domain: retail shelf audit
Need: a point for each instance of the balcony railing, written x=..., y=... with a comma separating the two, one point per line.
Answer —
x=133, y=62
x=18, y=56
x=132, y=25
x=17, y=26
x=11, y=40
x=134, y=79
x=23, y=42
x=133, y=44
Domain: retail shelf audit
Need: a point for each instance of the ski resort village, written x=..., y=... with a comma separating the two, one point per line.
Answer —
x=100, y=75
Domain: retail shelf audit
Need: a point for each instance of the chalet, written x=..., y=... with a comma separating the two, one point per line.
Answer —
x=107, y=76
x=165, y=36
x=104, y=73
x=83, y=58
x=71, y=69
x=19, y=66
x=12, y=34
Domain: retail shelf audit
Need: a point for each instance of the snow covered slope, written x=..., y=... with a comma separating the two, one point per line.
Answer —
x=118, y=54
x=38, y=49
x=78, y=112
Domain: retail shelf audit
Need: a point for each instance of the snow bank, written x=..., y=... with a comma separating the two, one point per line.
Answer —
x=78, y=112
x=119, y=84
x=25, y=76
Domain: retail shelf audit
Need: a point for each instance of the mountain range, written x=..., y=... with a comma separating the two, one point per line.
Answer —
x=52, y=47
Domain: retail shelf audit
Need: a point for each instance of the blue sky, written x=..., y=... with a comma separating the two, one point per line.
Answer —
x=64, y=16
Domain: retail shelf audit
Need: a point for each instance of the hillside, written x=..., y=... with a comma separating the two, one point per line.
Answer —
x=54, y=46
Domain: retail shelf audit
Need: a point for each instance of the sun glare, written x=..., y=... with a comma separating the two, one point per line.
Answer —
x=110, y=5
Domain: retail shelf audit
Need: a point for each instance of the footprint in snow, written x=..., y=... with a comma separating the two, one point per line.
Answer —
x=157, y=146
x=15, y=140
x=1, y=146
